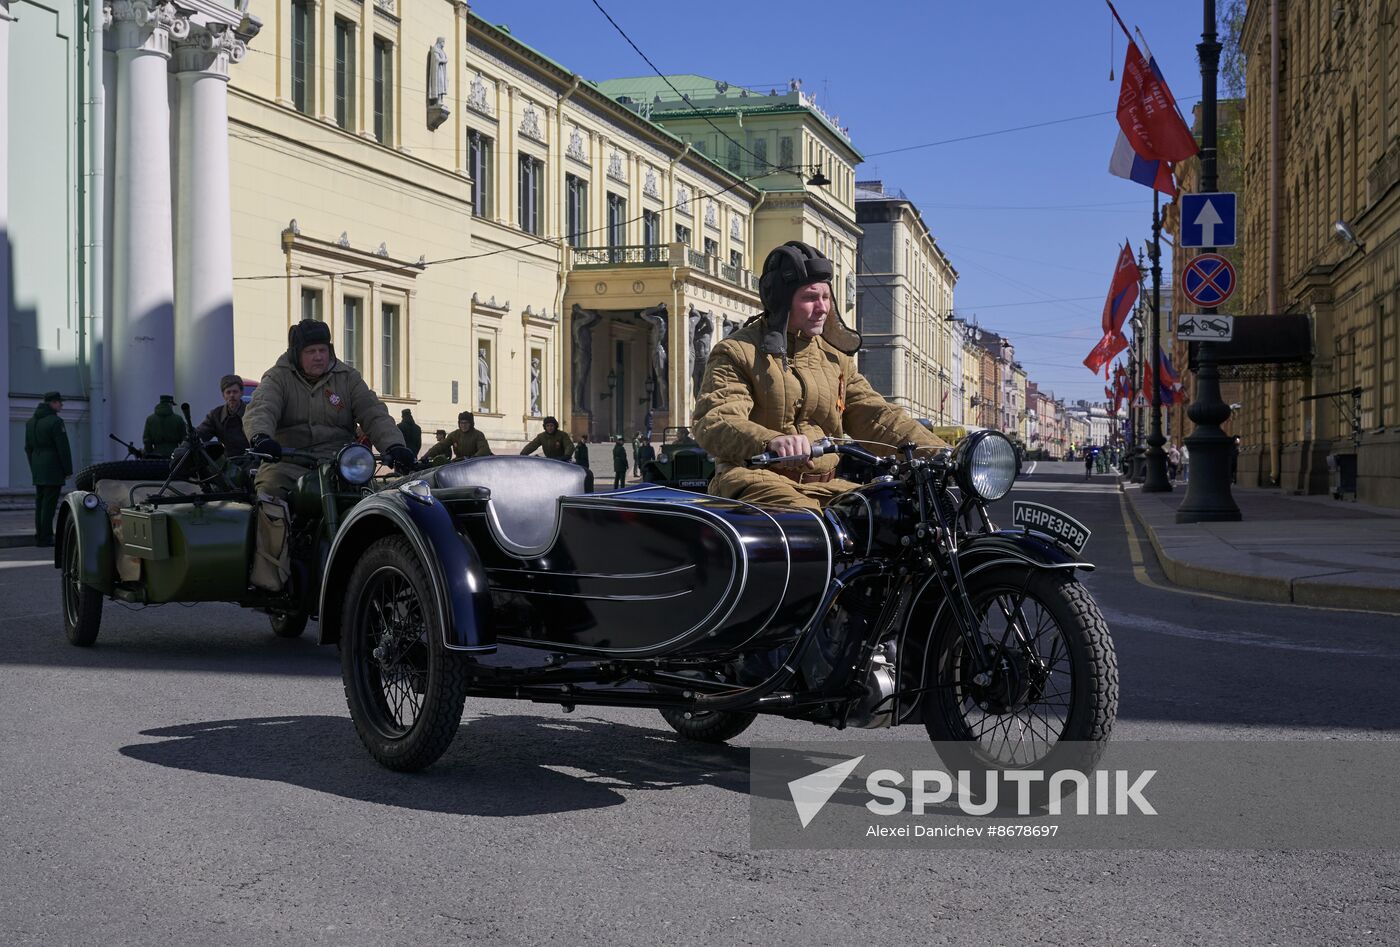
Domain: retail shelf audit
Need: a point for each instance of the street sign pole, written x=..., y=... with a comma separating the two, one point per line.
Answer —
x=1208, y=496
x=1157, y=480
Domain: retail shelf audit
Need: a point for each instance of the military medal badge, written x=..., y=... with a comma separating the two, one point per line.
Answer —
x=335, y=399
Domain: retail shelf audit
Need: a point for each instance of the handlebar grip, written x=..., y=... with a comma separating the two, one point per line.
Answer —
x=819, y=447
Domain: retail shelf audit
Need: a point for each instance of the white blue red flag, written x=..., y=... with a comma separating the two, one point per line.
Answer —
x=1125, y=163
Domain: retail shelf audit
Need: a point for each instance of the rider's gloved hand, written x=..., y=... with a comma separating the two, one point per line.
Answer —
x=263, y=444
x=400, y=458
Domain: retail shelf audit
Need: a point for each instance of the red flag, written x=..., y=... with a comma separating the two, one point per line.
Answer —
x=1122, y=292
x=1106, y=351
x=1147, y=113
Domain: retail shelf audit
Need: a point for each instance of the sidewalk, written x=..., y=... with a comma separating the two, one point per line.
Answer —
x=1310, y=550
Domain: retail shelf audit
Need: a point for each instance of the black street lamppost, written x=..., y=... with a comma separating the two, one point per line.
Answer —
x=1134, y=459
x=1155, y=480
x=1208, y=496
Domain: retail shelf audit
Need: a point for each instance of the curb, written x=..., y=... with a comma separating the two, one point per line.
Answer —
x=1307, y=590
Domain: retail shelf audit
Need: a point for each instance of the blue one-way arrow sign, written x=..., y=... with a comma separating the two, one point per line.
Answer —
x=1208, y=220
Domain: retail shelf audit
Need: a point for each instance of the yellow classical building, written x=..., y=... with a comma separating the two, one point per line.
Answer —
x=482, y=228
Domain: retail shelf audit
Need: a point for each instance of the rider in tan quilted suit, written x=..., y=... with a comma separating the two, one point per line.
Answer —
x=787, y=379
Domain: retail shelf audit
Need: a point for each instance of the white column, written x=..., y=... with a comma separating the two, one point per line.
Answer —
x=143, y=323
x=5, y=242
x=203, y=237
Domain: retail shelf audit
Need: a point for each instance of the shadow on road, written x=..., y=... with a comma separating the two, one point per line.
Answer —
x=498, y=766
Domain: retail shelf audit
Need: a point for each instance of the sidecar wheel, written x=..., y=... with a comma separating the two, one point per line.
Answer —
x=708, y=726
x=82, y=604
x=288, y=624
x=1048, y=706
x=405, y=689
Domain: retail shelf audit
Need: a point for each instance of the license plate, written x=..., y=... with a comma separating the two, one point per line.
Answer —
x=1051, y=522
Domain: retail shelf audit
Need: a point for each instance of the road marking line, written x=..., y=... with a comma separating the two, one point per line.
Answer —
x=1140, y=574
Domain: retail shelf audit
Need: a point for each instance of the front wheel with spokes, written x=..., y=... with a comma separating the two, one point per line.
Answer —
x=1050, y=696
x=405, y=689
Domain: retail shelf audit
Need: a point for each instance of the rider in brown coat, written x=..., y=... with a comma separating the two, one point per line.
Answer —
x=786, y=379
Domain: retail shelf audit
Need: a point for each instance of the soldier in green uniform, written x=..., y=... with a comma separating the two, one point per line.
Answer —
x=50, y=463
x=619, y=464
x=412, y=433
x=581, y=452
x=555, y=442
x=466, y=441
x=165, y=430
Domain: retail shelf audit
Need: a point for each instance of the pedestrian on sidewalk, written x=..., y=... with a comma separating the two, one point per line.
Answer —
x=1173, y=462
x=1185, y=463
x=1235, y=459
x=1088, y=463
x=50, y=463
x=636, y=446
x=619, y=464
x=645, y=454
x=412, y=433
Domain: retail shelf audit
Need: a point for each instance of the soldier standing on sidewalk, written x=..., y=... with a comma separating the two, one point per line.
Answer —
x=50, y=463
x=619, y=464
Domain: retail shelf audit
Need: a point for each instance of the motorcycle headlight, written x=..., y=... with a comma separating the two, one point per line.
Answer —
x=987, y=464
x=356, y=464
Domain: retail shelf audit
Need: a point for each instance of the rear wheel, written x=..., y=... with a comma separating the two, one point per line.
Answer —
x=288, y=624
x=82, y=604
x=1051, y=696
x=405, y=689
x=708, y=726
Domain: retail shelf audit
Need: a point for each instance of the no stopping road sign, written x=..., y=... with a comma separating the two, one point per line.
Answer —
x=1209, y=280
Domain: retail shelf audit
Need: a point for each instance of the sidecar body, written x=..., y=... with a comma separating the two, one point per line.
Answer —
x=519, y=554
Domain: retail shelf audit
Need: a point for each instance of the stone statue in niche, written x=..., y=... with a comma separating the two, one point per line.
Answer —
x=575, y=149
x=535, y=386
x=655, y=318
x=476, y=97
x=850, y=291
x=584, y=321
x=649, y=187
x=483, y=379
x=731, y=326
x=437, y=84
x=702, y=330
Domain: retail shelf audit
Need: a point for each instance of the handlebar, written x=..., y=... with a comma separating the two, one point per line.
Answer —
x=824, y=446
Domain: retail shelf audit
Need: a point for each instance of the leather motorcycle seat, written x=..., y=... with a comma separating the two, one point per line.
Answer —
x=523, y=510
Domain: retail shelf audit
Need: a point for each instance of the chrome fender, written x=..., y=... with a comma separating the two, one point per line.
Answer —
x=97, y=546
x=454, y=569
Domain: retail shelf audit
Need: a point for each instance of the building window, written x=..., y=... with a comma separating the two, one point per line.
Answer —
x=733, y=156
x=617, y=226
x=531, y=184
x=479, y=167
x=303, y=54
x=683, y=234
x=352, y=330
x=576, y=210
x=383, y=90
x=344, y=73
x=785, y=153
x=760, y=154
x=651, y=235
x=736, y=259
x=311, y=304
x=390, y=332
x=711, y=247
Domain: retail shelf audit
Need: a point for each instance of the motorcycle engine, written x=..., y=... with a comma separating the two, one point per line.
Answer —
x=876, y=709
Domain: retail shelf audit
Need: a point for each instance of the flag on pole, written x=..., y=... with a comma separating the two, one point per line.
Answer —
x=1125, y=163
x=1147, y=112
x=1106, y=351
x=1170, y=380
x=1122, y=292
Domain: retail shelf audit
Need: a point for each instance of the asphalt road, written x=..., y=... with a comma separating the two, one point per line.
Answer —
x=193, y=780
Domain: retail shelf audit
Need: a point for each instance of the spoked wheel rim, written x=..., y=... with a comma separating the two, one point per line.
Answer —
x=72, y=581
x=1018, y=714
x=394, y=636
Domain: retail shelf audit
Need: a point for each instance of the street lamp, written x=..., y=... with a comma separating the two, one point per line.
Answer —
x=612, y=386
x=1346, y=235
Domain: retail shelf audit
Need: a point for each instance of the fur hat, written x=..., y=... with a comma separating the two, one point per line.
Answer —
x=304, y=333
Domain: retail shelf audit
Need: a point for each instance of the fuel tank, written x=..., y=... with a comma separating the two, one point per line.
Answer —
x=648, y=571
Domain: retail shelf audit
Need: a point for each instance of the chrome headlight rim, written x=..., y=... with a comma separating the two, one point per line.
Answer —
x=355, y=464
x=970, y=459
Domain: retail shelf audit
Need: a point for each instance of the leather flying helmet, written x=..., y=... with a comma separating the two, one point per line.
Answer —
x=786, y=270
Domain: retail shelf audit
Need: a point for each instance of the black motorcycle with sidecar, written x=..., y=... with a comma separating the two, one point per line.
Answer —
x=899, y=603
